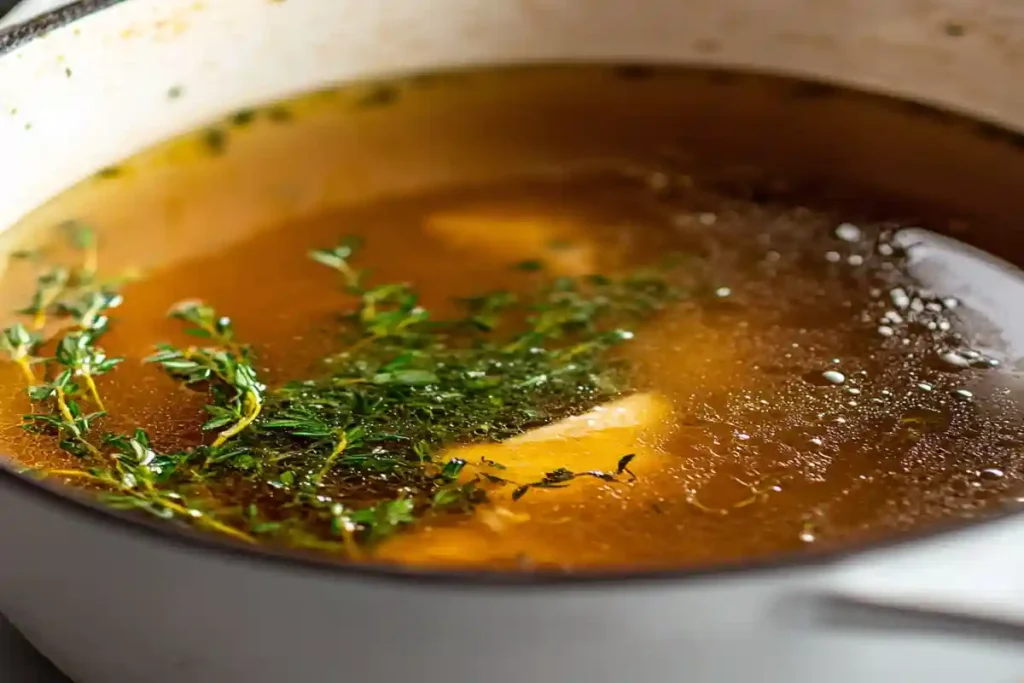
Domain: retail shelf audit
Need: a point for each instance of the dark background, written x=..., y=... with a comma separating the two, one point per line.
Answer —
x=7, y=5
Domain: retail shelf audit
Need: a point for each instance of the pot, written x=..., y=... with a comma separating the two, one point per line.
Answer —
x=112, y=599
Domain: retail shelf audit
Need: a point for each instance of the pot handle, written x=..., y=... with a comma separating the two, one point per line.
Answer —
x=975, y=573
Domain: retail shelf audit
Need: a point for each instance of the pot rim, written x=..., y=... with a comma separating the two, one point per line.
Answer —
x=190, y=539
x=16, y=35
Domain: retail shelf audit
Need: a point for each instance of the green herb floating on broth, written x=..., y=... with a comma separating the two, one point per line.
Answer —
x=349, y=457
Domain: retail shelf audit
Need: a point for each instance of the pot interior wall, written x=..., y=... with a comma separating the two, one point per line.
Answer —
x=117, y=70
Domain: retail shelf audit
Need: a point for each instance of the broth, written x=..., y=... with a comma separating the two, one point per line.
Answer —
x=832, y=365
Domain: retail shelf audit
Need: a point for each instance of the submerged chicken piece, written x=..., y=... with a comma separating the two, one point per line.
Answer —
x=595, y=441
x=561, y=244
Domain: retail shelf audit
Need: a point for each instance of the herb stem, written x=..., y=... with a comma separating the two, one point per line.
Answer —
x=351, y=276
x=48, y=295
x=219, y=336
x=351, y=545
x=78, y=474
x=26, y=369
x=62, y=406
x=253, y=405
x=190, y=513
x=339, y=448
x=90, y=259
x=93, y=391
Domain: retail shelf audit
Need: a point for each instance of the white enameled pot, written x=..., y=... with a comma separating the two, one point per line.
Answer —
x=112, y=600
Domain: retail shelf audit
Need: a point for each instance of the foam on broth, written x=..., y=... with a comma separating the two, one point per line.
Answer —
x=812, y=403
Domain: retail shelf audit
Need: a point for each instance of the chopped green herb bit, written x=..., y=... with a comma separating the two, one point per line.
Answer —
x=215, y=140
x=243, y=118
x=530, y=266
x=280, y=114
x=379, y=96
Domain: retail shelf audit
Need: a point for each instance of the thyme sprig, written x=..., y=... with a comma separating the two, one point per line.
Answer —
x=20, y=345
x=342, y=460
x=124, y=465
x=226, y=366
x=561, y=477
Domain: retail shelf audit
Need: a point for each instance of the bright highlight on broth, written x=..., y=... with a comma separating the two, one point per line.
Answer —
x=551, y=318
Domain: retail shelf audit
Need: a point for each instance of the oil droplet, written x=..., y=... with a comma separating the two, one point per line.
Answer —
x=807, y=536
x=707, y=218
x=924, y=386
x=955, y=360
x=900, y=298
x=991, y=474
x=826, y=378
x=848, y=232
x=855, y=260
x=963, y=393
x=723, y=292
x=833, y=256
x=892, y=317
x=886, y=331
x=833, y=377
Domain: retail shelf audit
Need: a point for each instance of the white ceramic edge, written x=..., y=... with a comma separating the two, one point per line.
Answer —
x=233, y=53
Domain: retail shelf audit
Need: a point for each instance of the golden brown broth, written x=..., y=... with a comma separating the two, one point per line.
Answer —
x=749, y=176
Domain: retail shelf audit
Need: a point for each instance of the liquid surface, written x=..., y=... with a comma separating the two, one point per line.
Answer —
x=838, y=371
